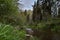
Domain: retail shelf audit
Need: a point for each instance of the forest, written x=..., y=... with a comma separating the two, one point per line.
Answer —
x=42, y=22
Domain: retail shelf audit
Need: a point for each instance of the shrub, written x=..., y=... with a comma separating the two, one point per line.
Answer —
x=8, y=32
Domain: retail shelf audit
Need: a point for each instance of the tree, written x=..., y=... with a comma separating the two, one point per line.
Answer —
x=8, y=8
x=37, y=15
x=25, y=12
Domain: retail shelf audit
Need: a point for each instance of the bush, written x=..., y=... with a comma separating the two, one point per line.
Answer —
x=7, y=32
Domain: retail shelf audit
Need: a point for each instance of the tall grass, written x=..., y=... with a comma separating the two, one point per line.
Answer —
x=8, y=32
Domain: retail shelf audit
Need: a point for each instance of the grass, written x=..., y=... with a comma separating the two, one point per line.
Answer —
x=7, y=32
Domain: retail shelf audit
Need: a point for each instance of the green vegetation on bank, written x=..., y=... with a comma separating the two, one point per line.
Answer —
x=8, y=32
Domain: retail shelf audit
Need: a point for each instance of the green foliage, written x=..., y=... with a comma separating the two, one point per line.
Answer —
x=7, y=7
x=7, y=32
x=8, y=10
